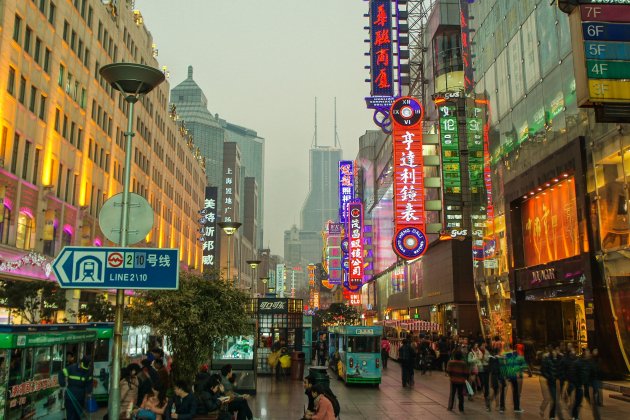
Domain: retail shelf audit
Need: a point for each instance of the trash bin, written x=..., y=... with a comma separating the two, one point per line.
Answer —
x=319, y=375
x=297, y=365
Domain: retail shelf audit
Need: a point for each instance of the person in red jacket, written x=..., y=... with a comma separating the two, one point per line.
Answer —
x=323, y=407
x=457, y=369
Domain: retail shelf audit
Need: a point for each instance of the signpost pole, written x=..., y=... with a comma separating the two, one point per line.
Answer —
x=131, y=80
x=114, y=401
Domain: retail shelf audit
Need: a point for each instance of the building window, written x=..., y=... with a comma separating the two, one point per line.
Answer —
x=47, y=61
x=49, y=246
x=59, y=180
x=62, y=71
x=25, y=228
x=57, y=119
x=51, y=13
x=17, y=28
x=38, y=50
x=66, y=30
x=42, y=107
x=11, y=81
x=28, y=35
x=66, y=237
x=22, y=93
x=5, y=224
x=36, y=166
x=15, y=154
x=89, y=16
x=26, y=158
x=32, y=99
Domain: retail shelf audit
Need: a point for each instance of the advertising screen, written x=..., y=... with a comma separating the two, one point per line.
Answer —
x=550, y=227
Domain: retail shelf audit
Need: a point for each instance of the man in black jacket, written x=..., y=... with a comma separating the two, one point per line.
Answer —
x=550, y=371
x=407, y=356
x=185, y=402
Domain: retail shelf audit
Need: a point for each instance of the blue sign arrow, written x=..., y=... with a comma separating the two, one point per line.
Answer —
x=117, y=268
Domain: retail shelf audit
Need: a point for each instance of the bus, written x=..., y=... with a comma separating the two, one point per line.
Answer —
x=359, y=350
x=31, y=358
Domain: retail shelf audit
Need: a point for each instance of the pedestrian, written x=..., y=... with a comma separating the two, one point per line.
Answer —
x=129, y=385
x=144, y=382
x=149, y=370
x=596, y=384
x=513, y=366
x=474, y=365
x=548, y=383
x=581, y=380
x=495, y=380
x=406, y=356
x=153, y=406
x=238, y=402
x=385, y=348
x=483, y=374
x=457, y=370
x=184, y=406
x=209, y=397
x=77, y=381
x=323, y=405
x=322, y=350
x=164, y=379
x=444, y=356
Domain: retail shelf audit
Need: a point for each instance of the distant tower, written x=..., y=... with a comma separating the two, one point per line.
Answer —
x=314, y=142
x=336, y=143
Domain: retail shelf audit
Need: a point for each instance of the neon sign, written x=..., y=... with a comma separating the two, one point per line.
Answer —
x=208, y=226
x=346, y=187
x=409, y=239
x=383, y=87
x=355, y=245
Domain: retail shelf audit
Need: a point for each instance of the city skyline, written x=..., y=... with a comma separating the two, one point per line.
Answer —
x=252, y=73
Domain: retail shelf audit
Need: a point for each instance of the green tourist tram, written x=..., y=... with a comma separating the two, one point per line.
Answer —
x=359, y=349
x=31, y=357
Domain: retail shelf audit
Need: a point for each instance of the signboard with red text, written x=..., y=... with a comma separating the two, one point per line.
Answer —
x=410, y=240
x=355, y=245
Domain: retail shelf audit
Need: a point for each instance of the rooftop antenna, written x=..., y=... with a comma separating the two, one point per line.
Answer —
x=314, y=143
x=336, y=136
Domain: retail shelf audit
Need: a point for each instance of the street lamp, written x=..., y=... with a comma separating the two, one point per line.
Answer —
x=264, y=280
x=254, y=265
x=131, y=80
x=229, y=228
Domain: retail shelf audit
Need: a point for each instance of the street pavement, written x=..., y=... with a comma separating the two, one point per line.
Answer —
x=284, y=399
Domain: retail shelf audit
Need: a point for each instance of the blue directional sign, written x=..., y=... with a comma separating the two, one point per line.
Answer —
x=600, y=31
x=117, y=268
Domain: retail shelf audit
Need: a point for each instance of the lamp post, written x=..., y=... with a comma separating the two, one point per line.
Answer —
x=229, y=228
x=131, y=80
x=254, y=265
x=264, y=280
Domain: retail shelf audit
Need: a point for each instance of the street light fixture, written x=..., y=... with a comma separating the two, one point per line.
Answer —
x=264, y=280
x=229, y=228
x=131, y=80
x=254, y=265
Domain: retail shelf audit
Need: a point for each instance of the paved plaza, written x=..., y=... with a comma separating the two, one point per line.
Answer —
x=284, y=399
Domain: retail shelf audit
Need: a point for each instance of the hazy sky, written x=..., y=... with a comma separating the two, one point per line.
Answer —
x=260, y=64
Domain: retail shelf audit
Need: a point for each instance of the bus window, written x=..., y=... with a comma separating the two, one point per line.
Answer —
x=15, y=367
x=42, y=362
x=363, y=345
x=89, y=349
x=101, y=352
x=57, y=358
x=28, y=363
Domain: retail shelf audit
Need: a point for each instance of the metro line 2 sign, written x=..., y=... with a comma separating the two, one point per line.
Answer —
x=117, y=268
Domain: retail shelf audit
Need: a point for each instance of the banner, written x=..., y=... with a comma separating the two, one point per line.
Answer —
x=49, y=225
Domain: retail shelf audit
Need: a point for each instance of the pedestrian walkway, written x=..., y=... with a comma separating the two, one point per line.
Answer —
x=285, y=400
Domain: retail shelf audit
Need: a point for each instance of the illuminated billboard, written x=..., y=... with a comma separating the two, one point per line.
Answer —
x=550, y=225
x=409, y=239
x=346, y=187
x=355, y=245
x=208, y=227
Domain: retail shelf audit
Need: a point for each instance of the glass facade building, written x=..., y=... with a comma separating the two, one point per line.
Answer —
x=560, y=189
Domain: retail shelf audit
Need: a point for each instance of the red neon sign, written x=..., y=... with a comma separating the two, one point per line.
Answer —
x=355, y=245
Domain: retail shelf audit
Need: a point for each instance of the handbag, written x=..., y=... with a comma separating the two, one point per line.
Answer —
x=91, y=405
x=145, y=414
x=469, y=389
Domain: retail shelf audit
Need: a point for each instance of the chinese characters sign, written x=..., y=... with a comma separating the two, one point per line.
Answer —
x=208, y=227
x=381, y=45
x=346, y=187
x=409, y=240
x=333, y=253
x=229, y=193
x=355, y=245
x=451, y=166
x=280, y=278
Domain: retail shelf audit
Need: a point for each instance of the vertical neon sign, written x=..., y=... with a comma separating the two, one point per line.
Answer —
x=355, y=245
x=208, y=227
x=409, y=239
x=346, y=187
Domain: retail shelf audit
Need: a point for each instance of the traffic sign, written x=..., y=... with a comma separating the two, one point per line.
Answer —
x=140, y=218
x=117, y=268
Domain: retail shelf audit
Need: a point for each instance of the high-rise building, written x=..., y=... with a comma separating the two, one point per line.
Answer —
x=322, y=201
x=62, y=142
x=210, y=132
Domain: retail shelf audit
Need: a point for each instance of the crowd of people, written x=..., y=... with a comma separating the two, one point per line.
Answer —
x=489, y=367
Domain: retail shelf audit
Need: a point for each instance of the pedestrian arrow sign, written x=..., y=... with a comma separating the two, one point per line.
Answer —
x=117, y=268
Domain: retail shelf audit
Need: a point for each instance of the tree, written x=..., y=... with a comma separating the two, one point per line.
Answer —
x=194, y=318
x=336, y=314
x=32, y=300
x=98, y=311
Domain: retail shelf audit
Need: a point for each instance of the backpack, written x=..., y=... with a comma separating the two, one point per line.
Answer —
x=333, y=400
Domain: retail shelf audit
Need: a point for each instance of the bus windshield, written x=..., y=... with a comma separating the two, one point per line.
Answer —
x=363, y=344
